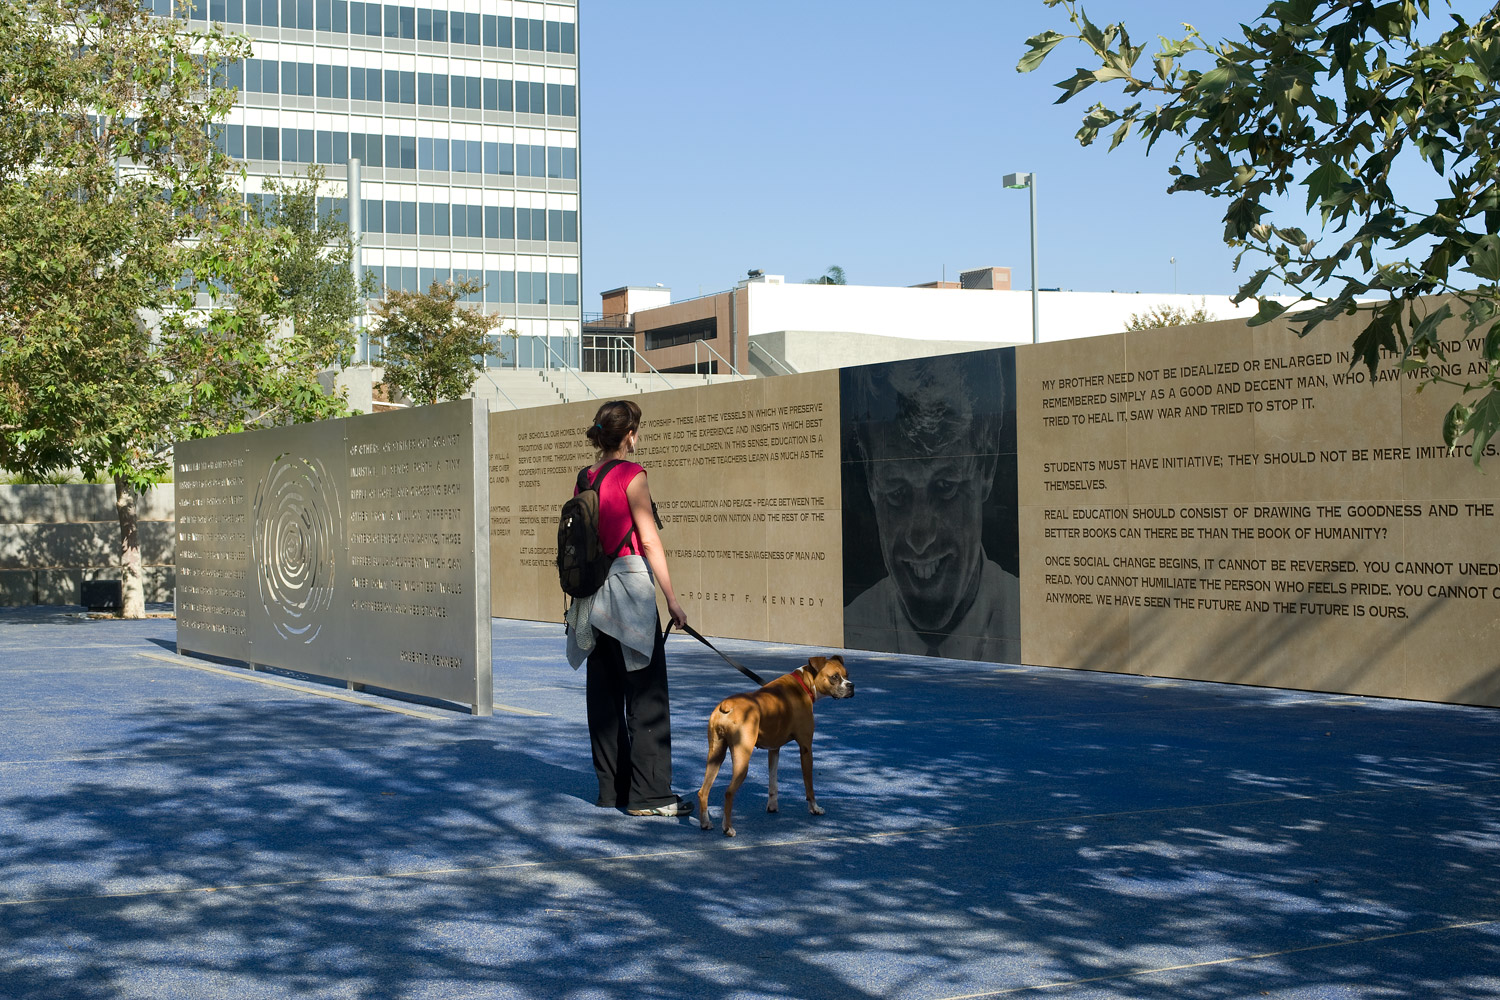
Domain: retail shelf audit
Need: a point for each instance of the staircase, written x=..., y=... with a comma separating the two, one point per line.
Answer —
x=511, y=388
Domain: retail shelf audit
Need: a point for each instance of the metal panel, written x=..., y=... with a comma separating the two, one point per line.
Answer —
x=345, y=548
x=213, y=546
x=297, y=604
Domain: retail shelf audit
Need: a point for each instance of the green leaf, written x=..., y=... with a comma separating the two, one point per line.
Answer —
x=1323, y=182
x=1377, y=338
x=1269, y=310
x=1074, y=85
x=1038, y=47
x=1220, y=79
x=1453, y=424
x=1425, y=337
x=1091, y=34
x=1483, y=422
x=1484, y=258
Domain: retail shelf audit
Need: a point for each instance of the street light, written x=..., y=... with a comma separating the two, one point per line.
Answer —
x=1029, y=181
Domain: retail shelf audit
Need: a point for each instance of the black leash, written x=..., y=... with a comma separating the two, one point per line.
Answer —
x=742, y=669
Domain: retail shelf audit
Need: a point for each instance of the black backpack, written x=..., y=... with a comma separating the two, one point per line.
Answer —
x=582, y=562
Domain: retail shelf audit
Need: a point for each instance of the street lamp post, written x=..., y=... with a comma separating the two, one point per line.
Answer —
x=1029, y=181
x=355, y=199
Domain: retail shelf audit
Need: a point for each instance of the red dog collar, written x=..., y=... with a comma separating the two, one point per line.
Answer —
x=798, y=674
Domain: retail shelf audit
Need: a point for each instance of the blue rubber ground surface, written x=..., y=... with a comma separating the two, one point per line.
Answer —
x=990, y=831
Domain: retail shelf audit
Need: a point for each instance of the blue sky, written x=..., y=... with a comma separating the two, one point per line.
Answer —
x=873, y=135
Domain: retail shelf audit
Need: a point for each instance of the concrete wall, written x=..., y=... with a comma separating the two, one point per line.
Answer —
x=960, y=314
x=897, y=321
x=52, y=538
x=820, y=350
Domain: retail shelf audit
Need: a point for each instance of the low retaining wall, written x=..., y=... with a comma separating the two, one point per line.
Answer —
x=52, y=538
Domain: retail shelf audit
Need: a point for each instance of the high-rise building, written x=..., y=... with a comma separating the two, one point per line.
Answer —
x=464, y=116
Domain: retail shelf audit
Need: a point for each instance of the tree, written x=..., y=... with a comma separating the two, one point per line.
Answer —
x=1160, y=316
x=138, y=304
x=434, y=347
x=833, y=276
x=1342, y=99
x=312, y=264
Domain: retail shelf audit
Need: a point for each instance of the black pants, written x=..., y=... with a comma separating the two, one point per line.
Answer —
x=630, y=727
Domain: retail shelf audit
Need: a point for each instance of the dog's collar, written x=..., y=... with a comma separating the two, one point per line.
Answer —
x=805, y=686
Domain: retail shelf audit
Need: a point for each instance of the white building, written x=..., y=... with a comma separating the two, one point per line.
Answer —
x=765, y=322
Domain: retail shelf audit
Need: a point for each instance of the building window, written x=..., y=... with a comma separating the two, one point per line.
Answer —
x=682, y=333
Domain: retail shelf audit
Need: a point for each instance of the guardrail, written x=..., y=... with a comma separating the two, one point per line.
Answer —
x=565, y=366
x=501, y=391
x=625, y=347
x=786, y=369
x=709, y=347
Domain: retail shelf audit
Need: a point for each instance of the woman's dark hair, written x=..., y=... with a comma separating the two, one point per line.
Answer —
x=614, y=420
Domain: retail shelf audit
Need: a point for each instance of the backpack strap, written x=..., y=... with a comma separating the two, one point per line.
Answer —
x=598, y=487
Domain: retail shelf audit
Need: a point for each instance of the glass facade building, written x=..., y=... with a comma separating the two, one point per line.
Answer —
x=464, y=116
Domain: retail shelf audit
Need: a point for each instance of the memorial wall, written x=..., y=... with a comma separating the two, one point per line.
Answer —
x=1214, y=502
x=1236, y=504
x=346, y=548
x=745, y=476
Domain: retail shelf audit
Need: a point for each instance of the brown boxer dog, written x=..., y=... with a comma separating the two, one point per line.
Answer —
x=775, y=715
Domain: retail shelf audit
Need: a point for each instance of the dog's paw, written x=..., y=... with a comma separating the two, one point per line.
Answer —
x=705, y=822
x=772, y=806
x=729, y=831
x=815, y=809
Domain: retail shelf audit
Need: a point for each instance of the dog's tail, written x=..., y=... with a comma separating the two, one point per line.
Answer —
x=720, y=723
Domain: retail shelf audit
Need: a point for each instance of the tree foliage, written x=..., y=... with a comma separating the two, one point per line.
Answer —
x=1333, y=100
x=433, y=347
x=312, y=264
x=1160, y=316
x=116, y=212
x=833, y=276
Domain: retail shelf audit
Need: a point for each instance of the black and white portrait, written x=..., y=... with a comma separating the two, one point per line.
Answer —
x=930, y=507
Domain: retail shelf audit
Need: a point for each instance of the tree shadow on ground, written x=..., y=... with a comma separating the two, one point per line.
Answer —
x=987, y=830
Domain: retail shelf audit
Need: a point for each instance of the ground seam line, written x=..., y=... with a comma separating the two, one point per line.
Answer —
x=336, y=695
x=274, y=682
x=687, y=852
x=1464, y=925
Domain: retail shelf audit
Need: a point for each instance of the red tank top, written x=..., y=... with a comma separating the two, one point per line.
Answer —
x=614, y=508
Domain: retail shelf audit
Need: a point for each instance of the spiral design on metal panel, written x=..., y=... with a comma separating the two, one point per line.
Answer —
x=295, y=545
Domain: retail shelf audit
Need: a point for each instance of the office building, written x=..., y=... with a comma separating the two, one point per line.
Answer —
x=464, y=115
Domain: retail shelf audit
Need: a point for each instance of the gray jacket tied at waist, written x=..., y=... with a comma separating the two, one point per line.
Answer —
x=624, y=607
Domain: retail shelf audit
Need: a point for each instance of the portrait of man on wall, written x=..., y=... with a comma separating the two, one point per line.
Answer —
x=930, y=507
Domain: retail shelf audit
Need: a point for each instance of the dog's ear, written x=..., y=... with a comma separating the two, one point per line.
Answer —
x=816, y=663
x=837, y=657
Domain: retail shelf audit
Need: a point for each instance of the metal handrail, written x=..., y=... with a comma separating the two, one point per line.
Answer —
x=618, y=321
x=501, y=391
x=628, y=344
x=591, y=345
x=786, y=369
x=716, y=354
x=547, y=342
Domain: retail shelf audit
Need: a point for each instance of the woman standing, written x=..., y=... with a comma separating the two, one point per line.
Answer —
x=618, y=630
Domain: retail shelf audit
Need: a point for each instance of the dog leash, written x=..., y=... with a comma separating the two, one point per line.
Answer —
x=742, y=669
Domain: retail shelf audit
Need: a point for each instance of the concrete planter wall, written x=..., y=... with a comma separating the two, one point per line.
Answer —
x=52, y=538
